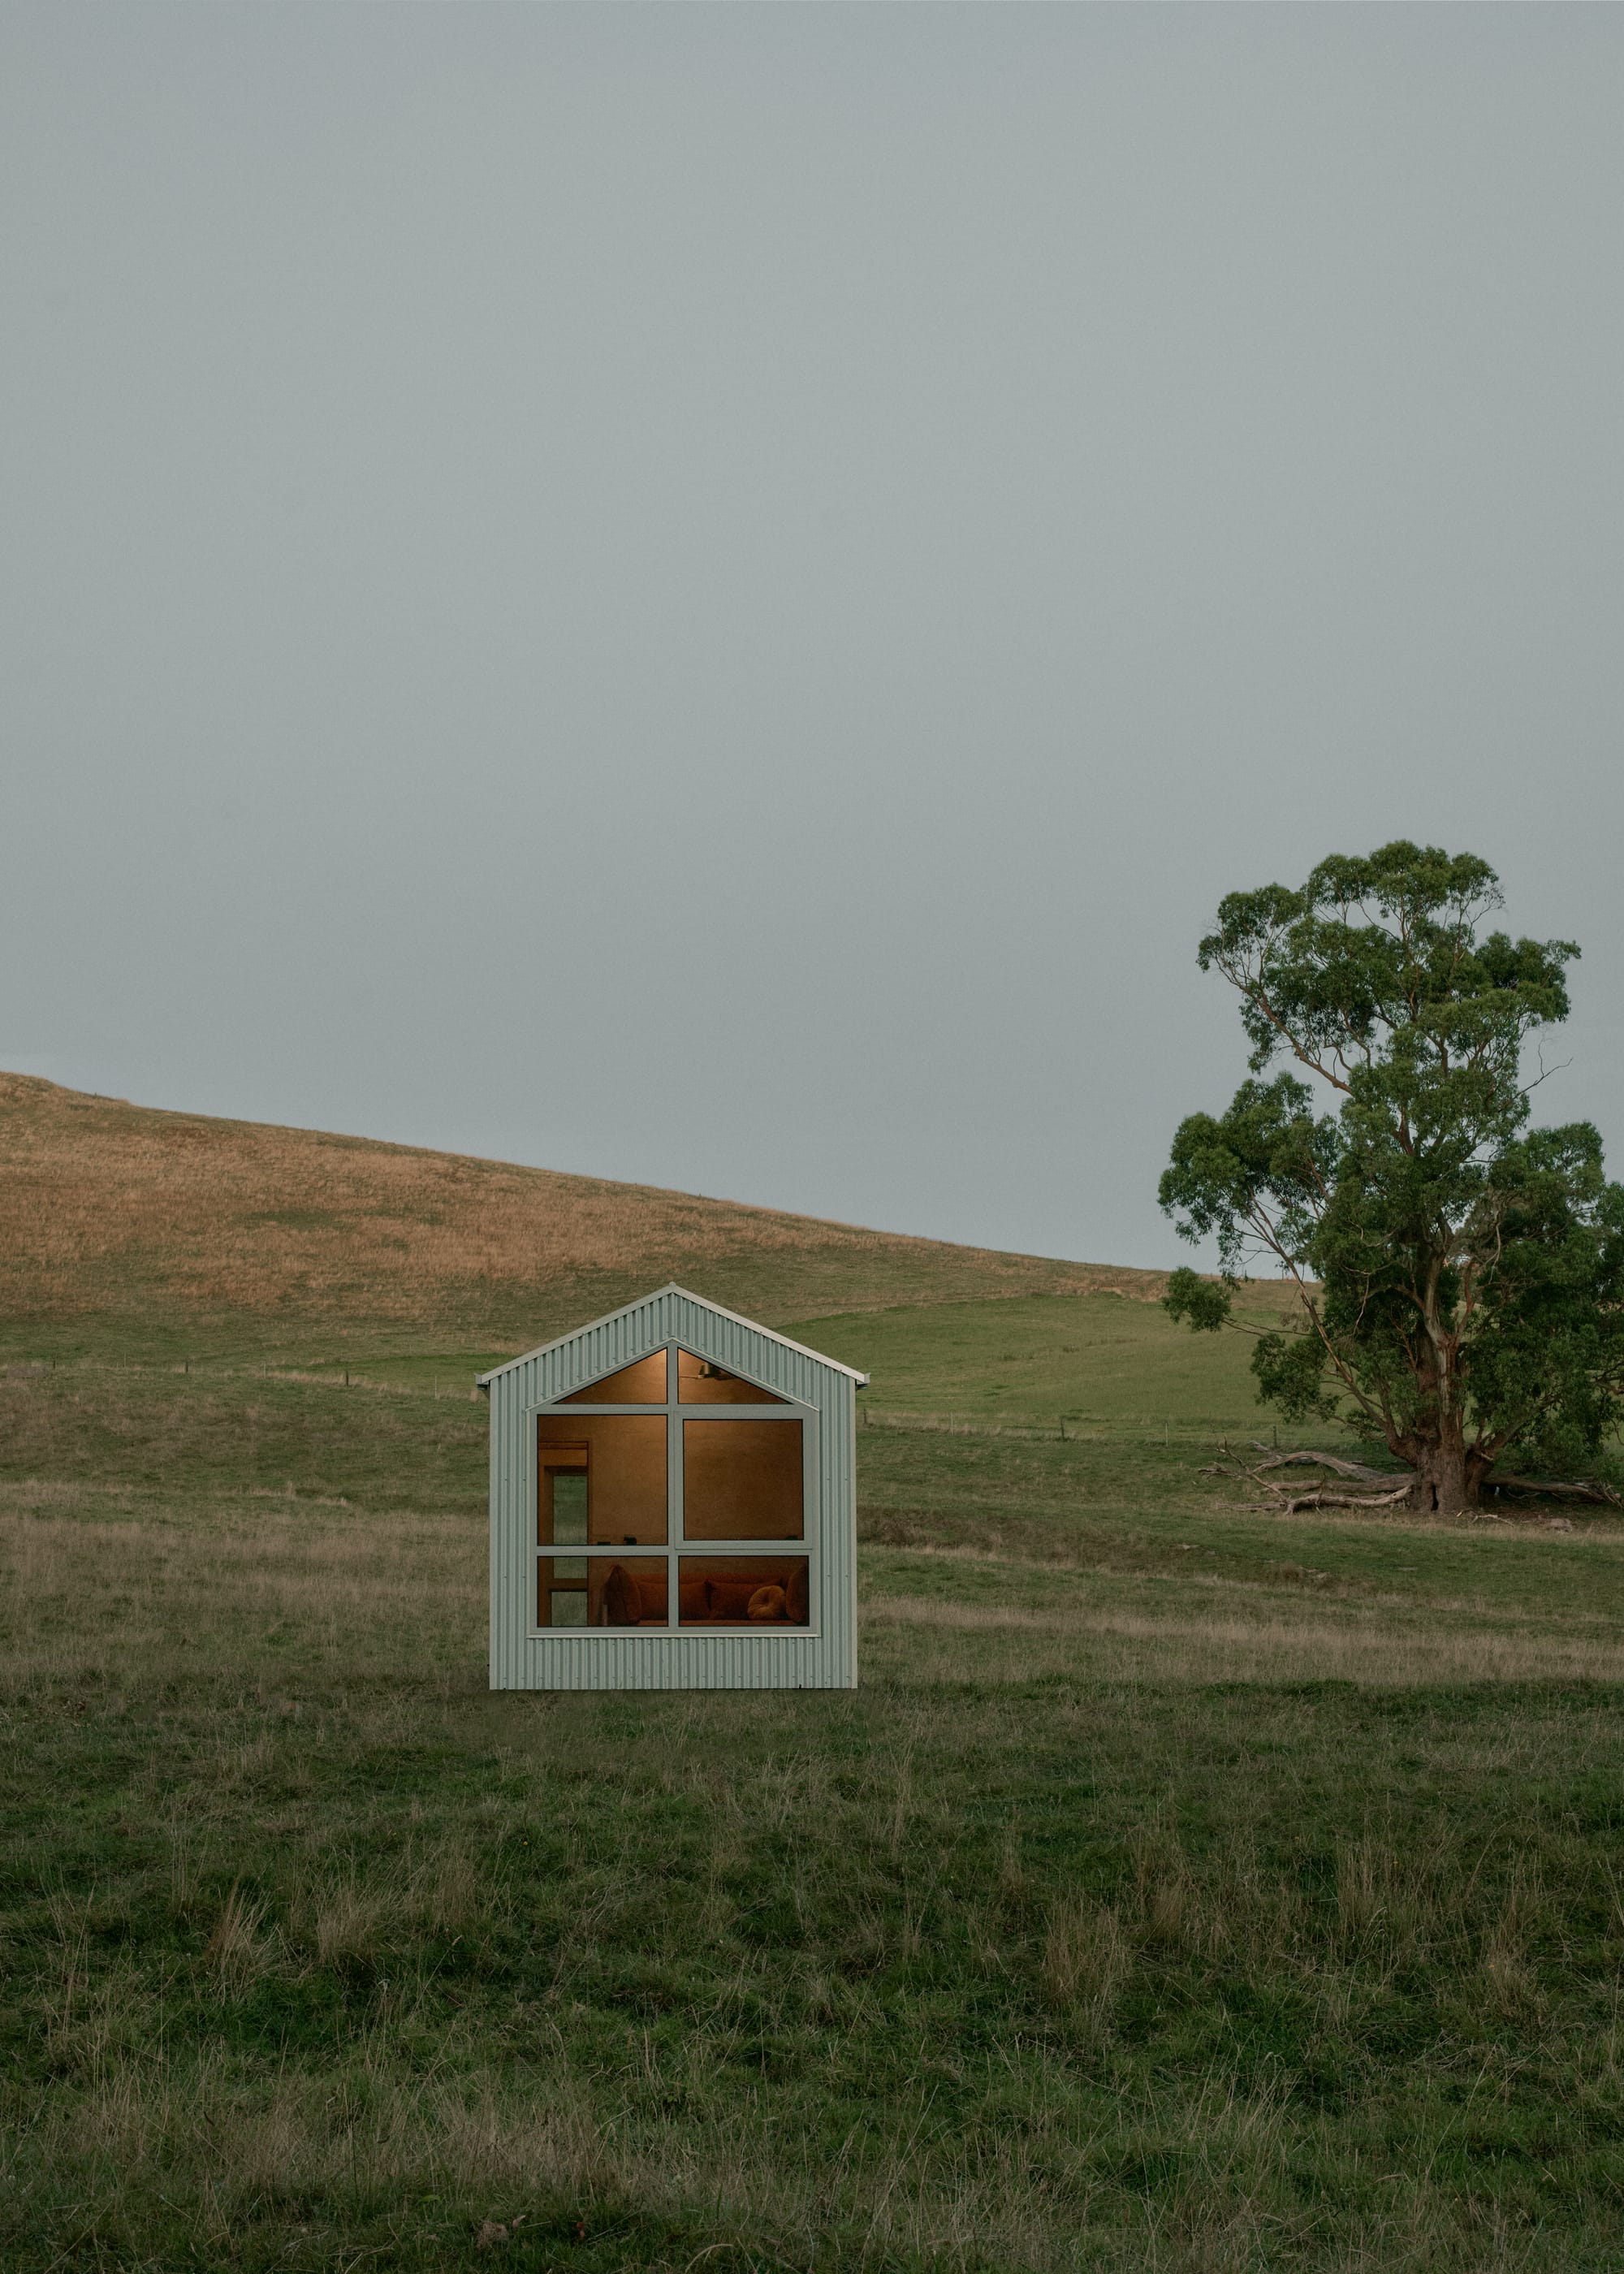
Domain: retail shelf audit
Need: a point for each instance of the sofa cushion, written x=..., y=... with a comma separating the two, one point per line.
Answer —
x=730, y=1598
x=652, y=1593
x=796, y=1603
x=693, y=1601
x=766, y=1603
x=622, y=1598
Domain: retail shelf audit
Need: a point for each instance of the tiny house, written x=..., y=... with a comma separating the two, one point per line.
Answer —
x=673, y=1507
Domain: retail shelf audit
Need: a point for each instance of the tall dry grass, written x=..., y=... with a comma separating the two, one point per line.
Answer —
x=110, y=1212
x=1270, y=1640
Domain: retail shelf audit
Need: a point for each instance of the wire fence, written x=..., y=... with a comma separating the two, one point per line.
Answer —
x=1073, y=1429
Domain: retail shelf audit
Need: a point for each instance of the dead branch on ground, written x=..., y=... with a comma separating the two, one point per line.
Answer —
x=1355, y=1469
x=1555, y=1488
x=1293, y=1500
x=1285, y=1500
x=1317, y=1498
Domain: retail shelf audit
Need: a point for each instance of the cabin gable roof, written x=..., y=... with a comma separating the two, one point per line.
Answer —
x=720, y=1311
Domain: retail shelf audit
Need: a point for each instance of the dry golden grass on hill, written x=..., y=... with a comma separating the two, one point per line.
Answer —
x=132, y=1218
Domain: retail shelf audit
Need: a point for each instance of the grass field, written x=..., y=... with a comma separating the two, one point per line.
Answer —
x=1096, y=1359
x=1093, y=1359
x=1186, y=1887
x=1183, y=1887
x=120, y=1225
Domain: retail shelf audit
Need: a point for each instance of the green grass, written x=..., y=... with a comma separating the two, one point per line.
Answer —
x=1186, y=1887
x=1095, y=1359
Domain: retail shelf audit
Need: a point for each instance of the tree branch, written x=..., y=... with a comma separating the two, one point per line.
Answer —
x=1353, y=1469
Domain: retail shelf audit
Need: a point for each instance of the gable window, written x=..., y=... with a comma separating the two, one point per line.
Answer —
x=641, y=1383
x=700, y=1382
x=651, y=1518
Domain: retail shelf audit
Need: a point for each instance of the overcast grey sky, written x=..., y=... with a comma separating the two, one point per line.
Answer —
x=715, y=594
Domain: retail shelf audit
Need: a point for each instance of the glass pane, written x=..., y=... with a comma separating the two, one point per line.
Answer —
x=743, y=1591
x=563, y=1499
x=643, y=1383
x=701, y=1382
x=742, y=1480
x=601, y=1480
x=601, y=1591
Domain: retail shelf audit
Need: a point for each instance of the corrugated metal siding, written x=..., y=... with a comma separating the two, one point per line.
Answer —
x=825, y=1660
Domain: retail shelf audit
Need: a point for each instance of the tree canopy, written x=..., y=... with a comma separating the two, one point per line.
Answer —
x=1461, y=1273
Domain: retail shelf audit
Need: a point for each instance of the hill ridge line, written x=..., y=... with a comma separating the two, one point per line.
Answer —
x=154, y=1216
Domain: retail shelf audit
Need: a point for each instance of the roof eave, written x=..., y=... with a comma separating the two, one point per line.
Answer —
x=859, y=1380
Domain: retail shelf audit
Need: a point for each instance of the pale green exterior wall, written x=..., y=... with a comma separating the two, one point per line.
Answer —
x=591, y=1658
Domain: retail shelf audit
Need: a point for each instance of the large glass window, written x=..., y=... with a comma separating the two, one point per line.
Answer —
x=741, y=1481
x=634, y=1509
x=602, y=1591
x=602, y=1477
x=743, y=1591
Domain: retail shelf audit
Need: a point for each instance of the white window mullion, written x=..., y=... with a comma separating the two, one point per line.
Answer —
x=673, y=1491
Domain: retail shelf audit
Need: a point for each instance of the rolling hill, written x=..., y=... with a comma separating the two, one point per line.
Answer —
x=120, y=1224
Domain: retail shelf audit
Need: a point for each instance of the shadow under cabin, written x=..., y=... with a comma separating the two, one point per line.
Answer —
x=672, y=1506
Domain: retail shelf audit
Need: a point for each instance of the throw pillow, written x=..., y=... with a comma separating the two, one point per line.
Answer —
x=622, y=1601
x=796, y=1601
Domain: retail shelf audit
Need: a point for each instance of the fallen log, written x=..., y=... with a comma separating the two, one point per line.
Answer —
x=1297, y=1502
x=1558, y=1488
x=1287, y=1500
x=1355, y=1469
x=1587, y=1489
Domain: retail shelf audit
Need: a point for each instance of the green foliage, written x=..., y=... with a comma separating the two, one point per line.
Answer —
x=1463, y=1273
x=1205, y=1304
x=1290, y=1375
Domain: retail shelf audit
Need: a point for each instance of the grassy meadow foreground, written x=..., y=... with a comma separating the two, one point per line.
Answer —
x=1186, y=1887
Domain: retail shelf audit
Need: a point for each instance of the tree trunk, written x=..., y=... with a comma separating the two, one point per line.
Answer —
x=1447, y=1479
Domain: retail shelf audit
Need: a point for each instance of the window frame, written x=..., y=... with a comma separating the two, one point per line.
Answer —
x=783, y=1410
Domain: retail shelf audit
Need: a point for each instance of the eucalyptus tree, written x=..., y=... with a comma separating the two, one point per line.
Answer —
x=1460, y=1272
